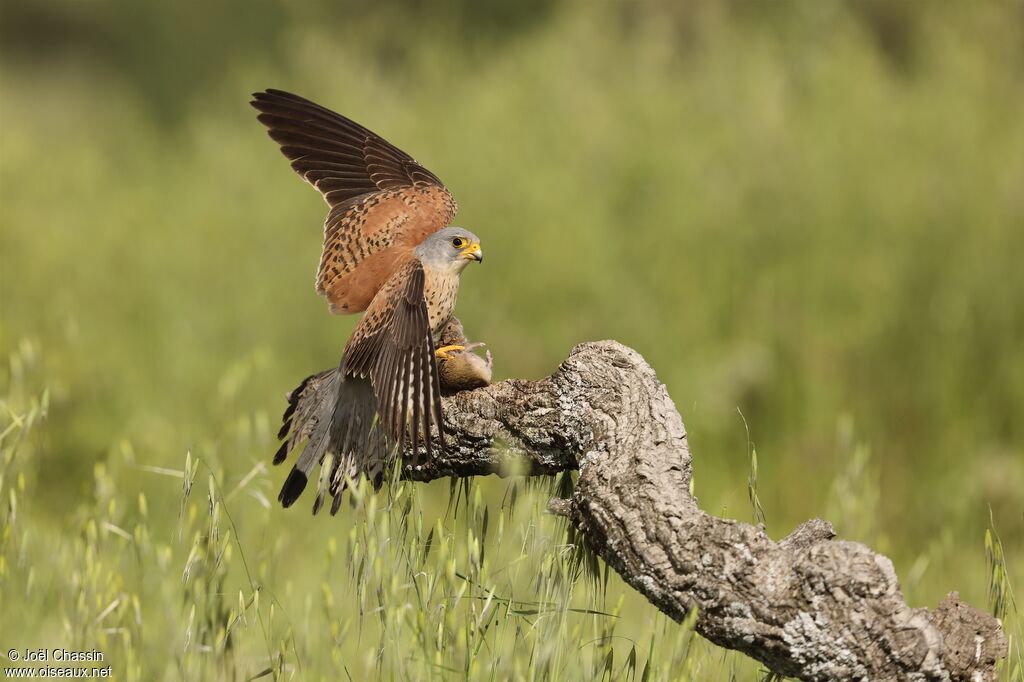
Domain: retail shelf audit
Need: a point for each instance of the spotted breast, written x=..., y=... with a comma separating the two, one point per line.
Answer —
x=440, y=288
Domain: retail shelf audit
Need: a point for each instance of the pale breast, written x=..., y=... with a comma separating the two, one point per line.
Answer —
x=439, y=290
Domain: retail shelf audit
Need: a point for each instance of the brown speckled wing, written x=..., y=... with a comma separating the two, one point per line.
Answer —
x=382, y=202
x=393, y=345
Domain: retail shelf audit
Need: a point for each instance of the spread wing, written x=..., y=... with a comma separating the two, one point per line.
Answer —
x=392, y=345
x=382, y=202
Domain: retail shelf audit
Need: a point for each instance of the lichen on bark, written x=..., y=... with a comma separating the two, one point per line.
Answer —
x=808, y=606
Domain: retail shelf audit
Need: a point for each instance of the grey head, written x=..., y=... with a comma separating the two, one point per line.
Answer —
x=451, y=249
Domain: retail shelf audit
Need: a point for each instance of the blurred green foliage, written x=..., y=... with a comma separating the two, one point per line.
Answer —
x=812, y=213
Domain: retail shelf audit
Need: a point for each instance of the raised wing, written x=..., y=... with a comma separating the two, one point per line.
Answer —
x=383, y=203
x=392, y=345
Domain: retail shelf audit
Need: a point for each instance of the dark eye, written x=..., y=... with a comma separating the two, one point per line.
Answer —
x=458, y=242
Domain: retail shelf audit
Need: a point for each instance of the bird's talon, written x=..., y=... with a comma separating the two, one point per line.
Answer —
x=443, y=351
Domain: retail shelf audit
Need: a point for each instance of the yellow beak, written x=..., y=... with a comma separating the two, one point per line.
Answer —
x=473, y=252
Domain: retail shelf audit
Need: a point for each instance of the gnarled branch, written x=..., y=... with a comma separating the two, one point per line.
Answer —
x=808, y=606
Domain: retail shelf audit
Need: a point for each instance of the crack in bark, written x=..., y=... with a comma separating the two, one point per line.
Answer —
x=808, y=606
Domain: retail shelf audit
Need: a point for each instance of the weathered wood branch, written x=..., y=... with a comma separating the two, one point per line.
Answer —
x=809, y=606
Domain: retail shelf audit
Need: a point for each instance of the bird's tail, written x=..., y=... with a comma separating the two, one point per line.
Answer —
x=335, y=418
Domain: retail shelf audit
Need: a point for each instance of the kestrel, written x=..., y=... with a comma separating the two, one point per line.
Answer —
x=387, y=251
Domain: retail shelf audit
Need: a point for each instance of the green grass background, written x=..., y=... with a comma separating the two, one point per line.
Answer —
x=810, y=213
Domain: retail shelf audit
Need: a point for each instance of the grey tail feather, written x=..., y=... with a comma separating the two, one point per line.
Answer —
x=336, y=415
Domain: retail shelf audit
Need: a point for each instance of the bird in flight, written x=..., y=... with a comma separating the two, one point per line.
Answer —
x=387, y=252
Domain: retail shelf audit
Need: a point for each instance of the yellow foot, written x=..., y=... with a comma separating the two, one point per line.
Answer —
x=443, y=351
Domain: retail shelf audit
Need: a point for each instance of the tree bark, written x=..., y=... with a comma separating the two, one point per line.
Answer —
x=809, y=606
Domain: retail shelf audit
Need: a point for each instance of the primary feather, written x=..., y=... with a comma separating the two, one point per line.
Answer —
x=383, y=203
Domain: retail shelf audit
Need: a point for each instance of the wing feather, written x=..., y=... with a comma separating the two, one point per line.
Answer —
x=393, y=346
x=383, y=203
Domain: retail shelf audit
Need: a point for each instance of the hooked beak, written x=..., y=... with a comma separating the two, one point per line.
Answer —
x=473, y=252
